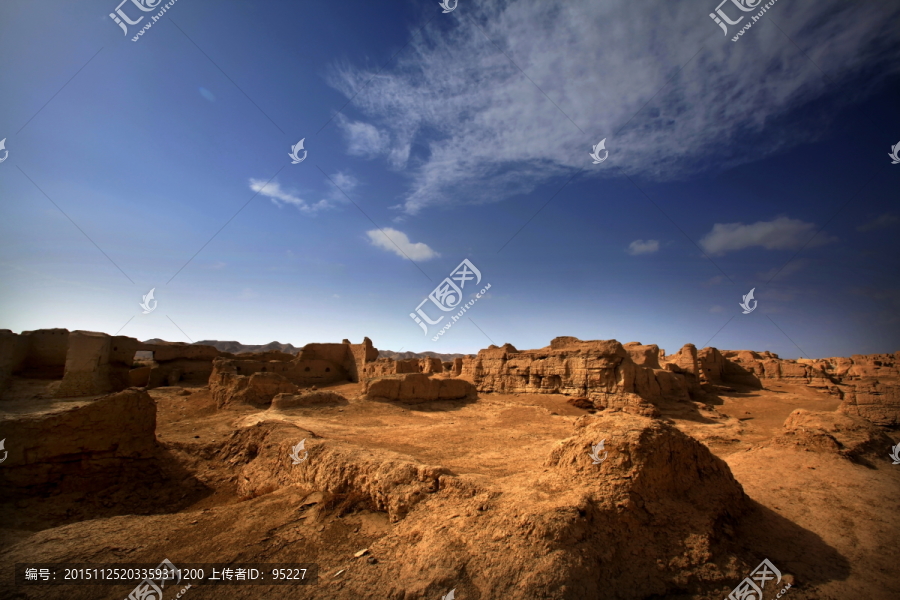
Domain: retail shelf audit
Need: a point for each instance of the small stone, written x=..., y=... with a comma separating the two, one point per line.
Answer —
x=196, y=436
x=339, y=572
x=372, y=560
x=361, y=553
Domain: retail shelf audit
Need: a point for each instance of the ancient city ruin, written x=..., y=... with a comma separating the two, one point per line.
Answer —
x=458, y=472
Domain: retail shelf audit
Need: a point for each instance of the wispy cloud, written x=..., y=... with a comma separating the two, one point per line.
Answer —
x=363, y=139
x=397, y=242
x=468, y=126
x=882, y=222
x=340, y=184
x=641, y=247
x=781, y=233
x=792, y=267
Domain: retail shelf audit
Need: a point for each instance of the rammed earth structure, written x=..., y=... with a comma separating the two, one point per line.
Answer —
x=754, y=18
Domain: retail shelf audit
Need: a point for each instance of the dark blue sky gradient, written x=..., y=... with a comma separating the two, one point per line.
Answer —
x=150, y=148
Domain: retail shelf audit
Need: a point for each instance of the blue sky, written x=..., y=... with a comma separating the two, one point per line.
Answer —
x=139, y=165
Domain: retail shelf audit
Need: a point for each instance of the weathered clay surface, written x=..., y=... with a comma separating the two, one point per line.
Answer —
x=65, y=446
x=496, y=496
x=868, y=384
x=878, y=402
x=384, y=480
x=415, y=388
x=658, y=493
x=602, y=370
x=256, y=390
x=833, y=432
x=317, y=398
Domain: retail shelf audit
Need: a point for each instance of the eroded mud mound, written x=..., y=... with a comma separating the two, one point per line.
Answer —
x=647, y=520
x=383, y=480
x=315, y=398
x=833, y=432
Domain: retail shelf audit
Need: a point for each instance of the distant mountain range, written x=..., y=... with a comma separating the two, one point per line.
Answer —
x=239, y=348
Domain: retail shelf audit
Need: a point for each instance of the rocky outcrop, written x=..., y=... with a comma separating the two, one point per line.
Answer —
x=643, y=355
x=878, y=402
x=869, y=385
x=258, y=389
x=603, y=371
x=64, y=447
x=751, y=368
x=833, y=432
x=316, y=398
x=685, y=360
x=416, y=388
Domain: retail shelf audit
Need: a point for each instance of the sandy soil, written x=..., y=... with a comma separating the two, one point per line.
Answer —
x=832, y=526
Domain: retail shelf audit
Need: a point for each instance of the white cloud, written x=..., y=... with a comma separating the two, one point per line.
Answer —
x=468, y=126
x=398, y=243
x=882, y=222
x=641, y=247
x=363, y=139
x=338, y=185
x=782, y=233
x=341, y=183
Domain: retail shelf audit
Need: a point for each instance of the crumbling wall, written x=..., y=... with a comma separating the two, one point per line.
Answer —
x=89, y=370
x=38, y=354
x=46, y=352
x=13, y=350
x=415, y=388
x=597, y=370
x=77, y=447
x=358, y=357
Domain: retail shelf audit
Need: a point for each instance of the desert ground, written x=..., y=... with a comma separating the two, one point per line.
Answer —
x=492, y=495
